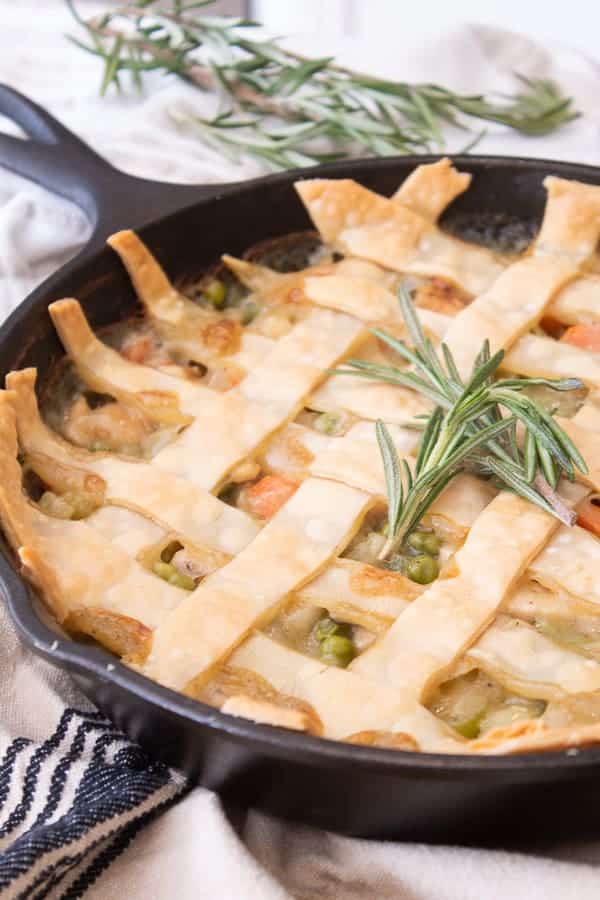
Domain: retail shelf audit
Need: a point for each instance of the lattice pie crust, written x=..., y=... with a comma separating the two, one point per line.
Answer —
x=210, y=642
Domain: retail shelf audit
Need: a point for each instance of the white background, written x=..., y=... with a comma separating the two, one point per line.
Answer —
x=382, y=22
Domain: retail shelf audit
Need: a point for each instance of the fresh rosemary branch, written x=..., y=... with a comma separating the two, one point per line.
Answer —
x=285, y=109
x=472, y=427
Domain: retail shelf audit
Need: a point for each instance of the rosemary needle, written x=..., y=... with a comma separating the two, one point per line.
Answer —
x=288, y=110
x=472, y=427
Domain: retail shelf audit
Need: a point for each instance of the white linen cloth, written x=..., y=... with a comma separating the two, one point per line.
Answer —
x=192, y=850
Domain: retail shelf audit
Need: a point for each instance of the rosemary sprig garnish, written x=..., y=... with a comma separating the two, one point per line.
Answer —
x=472, y=428
x=288, y=110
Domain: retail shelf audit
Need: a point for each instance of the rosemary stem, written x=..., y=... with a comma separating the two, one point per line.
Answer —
x=280, y=91
x=395, y=541
x=391, y=545
x=563, y=512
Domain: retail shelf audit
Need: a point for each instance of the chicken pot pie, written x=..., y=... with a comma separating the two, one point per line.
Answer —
x=200, y=494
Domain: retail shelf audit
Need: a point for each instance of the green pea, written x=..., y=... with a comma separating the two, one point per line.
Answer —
x=164, y=570
x=326, y=627
x=337, y=650
x=416, y=540
x=425, y=542
x=422, y=569
x=327, y=423
x=215, y=292
x=249, y=312
x=178, y=579
x=471, y=728
x=431, y=544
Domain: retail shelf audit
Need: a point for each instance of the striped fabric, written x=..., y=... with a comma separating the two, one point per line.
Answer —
x=70, y=804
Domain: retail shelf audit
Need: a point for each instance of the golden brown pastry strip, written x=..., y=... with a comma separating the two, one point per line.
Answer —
x=159, y=395
x=526, y=662
x=358, y=222
x=571, y=220
x=431, y=188
x=513, y=305
x=177, y=505
x=293, y=547
x=73, y=565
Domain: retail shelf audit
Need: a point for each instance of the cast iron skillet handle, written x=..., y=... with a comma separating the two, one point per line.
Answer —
x=57, y=159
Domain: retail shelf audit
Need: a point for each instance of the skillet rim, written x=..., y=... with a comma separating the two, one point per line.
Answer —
x=97, y=663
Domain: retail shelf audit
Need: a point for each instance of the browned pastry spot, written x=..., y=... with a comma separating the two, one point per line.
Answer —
x=372, y=582
x=138, y=348
x=298, y=454
x=235, y=682
x=388, y=739
x=442, y=296
x=266, y=713
x=122, y=635
x=296, y=295
x=222, y=336
x=533, y=735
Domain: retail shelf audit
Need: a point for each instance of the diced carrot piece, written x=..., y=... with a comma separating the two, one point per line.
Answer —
x=138, y=349
x=264, y=498
x=588, y=515
x=585, y=336
x=554, y=327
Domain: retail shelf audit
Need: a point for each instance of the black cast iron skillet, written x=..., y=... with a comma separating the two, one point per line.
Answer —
x=355, y=790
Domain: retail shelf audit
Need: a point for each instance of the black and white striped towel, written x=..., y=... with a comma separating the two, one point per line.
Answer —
x=72, y=800
x=72, y=803
x=84, y=811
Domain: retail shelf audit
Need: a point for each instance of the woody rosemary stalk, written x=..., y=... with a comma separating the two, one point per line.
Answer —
x=473, y=427
x=288, y=110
